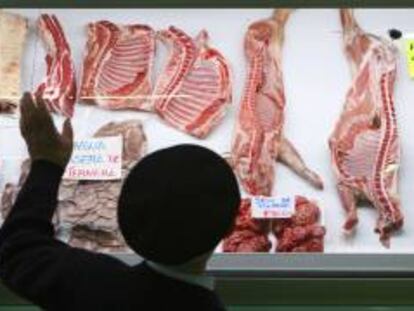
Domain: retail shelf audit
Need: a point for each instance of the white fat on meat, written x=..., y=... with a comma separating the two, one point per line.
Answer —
x=194, y=89
x=364, y=144
x=58, y=88
x=117, y=66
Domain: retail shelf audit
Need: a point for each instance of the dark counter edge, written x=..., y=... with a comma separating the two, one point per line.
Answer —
x=305, y=265
x=302, y=279
x=202, y=3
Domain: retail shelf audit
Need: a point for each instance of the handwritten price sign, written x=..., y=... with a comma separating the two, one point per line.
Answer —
x=96, y=159
x=273, y=207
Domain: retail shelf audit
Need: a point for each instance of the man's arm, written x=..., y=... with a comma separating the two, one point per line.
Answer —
x=33, y=263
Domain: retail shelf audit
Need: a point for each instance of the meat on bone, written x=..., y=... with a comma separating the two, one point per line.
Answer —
x=59, y=86
x=194, y=89
x=258, y=139
x=364, y=144
x=118, y=65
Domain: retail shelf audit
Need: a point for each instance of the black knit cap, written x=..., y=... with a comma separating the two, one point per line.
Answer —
x=178, y=203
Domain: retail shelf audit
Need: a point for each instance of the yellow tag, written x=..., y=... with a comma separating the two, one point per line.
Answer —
x=409, y=48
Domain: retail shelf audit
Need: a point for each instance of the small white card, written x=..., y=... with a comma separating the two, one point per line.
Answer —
x=96, y=159
x=273, y=207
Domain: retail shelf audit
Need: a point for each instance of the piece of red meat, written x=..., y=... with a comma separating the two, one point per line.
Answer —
x=193, y=91
x=117, y=66
x=58, y=88
x=302, y=232
x=249, y=235
x=246, y=241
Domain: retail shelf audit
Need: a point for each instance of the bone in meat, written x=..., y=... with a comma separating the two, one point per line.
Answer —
x=258, y=139
x=59, y=86
x=364, y=144
x=117, y=66
x=194, y=89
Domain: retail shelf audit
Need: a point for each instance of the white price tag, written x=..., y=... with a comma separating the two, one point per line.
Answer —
x=273, y=207
x=96, y=159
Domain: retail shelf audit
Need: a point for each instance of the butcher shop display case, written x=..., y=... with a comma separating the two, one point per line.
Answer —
x=312, y=108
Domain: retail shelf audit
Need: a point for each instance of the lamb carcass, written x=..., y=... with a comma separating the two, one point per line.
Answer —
x=59, y=86
x=194, y=89
x=258, y=140
x=117, y=66
x=364, y=144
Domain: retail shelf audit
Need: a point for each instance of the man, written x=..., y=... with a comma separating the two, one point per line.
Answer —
x=174, y=208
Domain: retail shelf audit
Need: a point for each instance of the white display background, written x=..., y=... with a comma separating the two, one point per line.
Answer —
x=316, y=75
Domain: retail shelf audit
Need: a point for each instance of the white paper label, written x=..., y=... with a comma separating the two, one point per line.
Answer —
x=96, y=159
x=273, y=207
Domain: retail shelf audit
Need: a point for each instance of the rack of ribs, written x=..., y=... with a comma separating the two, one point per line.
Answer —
x=117, y=66
x=364, y=144
x=194, y=89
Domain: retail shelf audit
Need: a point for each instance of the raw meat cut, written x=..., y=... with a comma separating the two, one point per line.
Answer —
x=194, y=89
x=91, y=210
x=117, y=66
x=13, y=29
x=86, y=215
x=249, y=235
x=302, y=232
x=259, y=139
x=59, y=86
x=364, y=144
